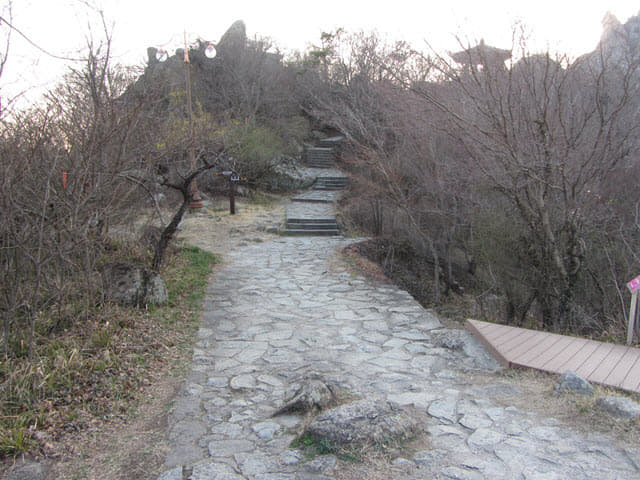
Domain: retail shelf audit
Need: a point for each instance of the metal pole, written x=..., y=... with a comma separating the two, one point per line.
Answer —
x=196, y=199
x=232, y=197
x=632, y=316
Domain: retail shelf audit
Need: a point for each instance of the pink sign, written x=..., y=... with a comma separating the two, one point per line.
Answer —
x=634, y=284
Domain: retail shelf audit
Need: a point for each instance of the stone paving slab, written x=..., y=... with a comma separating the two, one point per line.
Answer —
x=325, y=172
x=325, y=196
x=278, y=311
x=304, y=210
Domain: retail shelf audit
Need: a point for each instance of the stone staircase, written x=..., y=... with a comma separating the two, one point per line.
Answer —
x=331, y=183
x=319, y=157
x=331, y=142
x=311, y=213
x=312, y=227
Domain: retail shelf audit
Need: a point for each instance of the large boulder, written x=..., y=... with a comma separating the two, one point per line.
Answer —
x=131, y=285
x=288, y=175
x=234, y=40
x=364, y=422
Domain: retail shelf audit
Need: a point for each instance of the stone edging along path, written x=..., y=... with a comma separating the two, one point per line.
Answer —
x=283, y=310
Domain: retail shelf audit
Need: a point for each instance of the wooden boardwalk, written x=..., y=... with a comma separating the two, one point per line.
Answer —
x=603, y=363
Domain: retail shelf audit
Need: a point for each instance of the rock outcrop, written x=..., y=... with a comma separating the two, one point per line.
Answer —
x=365, y=422
x=134, y=286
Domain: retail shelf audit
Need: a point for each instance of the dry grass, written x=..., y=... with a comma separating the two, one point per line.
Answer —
x=94, y=398
x=133, y=445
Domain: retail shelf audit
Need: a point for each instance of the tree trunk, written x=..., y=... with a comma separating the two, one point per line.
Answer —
x=167, y=234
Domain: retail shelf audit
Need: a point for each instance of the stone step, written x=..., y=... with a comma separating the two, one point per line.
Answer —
x=311, y=220
x=343, y=182
x=312, y=226
x=331, y=142
x=311, y=233
x=331, y=183
x=316, y=199
x=320, y=152
x=320, y=164
x=329, y=187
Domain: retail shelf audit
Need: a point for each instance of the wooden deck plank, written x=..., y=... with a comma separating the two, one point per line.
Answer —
x=535, y=350
x=594, y=360
x=498, y=333
x=632, y=380
x=579, y=359
x=548, y=357
x=550, y=345
x=621, y=370
x=634, y=375
x=608, y=364
x=507, y=338
x=524, y=343
x=605, y=363
x=569, y=351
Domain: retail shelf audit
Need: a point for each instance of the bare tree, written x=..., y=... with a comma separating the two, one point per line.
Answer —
x=547, y=137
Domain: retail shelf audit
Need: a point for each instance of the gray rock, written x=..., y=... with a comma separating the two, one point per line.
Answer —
x=134, y=286
x=233, y=40
x=322, y=464
x=27, y=470
x=291, y=457
x=314, y=394
x=461, y=474
x=619, y=407
x=266, y=430
x=403, y=464
x=211, y=470
x=226, y=448
x=243, y=381
x=184, y=454
x=570, y=382
x=253, y=464
x=484, y=438
x=444, y=410
x=473, y=422
x=416, y=399
x=451, y=339
x=363, y=422
x=173, y=474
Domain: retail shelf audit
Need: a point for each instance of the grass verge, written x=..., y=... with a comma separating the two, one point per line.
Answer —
x=94, y=372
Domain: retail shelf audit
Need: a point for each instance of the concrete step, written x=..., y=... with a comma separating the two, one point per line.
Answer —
x=331, y=142
x=319, y=157
x=320, y=164
x=311, y=233
x=315, y=199
x=339, y=183
x=312, y=226
x=320, y=151
x=332, y=188
x=331, y=183
x=311, y=220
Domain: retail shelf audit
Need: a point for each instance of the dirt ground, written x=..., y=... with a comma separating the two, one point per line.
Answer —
x=133, y=446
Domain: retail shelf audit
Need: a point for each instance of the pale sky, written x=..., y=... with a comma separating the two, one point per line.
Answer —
x=61, y=26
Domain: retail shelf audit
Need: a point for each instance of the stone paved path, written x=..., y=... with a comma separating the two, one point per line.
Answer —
x=281, y=310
